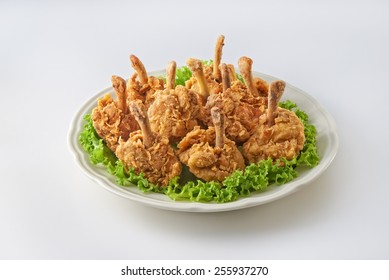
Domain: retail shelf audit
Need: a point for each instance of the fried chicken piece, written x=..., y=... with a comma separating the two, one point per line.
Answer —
x=209, y=154
x=140, y=86
x=175, y=110
x=148, y=153
x=240, y=110
x=280, y=133
x=212, y=74
x=111, y=118
x=262, y=86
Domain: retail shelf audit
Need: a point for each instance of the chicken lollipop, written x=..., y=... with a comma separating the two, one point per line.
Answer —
x=212, y=74
x=209, y=154
x=111, y=118
x=241, y=115
x=175, y=110
x=280, y=133
x=148, y=153
x=140, y=86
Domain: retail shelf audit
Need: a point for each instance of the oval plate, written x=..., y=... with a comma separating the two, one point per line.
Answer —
x=327, y=143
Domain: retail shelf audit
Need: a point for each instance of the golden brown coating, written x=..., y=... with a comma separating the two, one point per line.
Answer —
x=241, y=117
x=209, y=154
x=174, y=113
x=279, y=134
x=241, y=109
x=284, y=139
x=158, y=162
x=262, y=87
x=111, y=118
x=148, y=153
x=175, y=110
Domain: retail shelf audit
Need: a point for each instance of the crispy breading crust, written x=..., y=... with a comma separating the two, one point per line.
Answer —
x=158, y=162
x=283, y=139
x=198, y=150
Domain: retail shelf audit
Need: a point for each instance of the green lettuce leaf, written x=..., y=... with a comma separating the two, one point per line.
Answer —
x=182, y=75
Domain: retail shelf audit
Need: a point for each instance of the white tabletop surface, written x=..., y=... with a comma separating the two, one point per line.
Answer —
x=55, y=56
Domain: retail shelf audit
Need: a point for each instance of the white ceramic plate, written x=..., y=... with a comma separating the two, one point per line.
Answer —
x=327, y=143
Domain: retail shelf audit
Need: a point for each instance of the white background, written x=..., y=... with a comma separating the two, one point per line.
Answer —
x=56, y=55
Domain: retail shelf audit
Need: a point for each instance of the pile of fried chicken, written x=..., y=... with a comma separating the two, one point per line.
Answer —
x=215, y=124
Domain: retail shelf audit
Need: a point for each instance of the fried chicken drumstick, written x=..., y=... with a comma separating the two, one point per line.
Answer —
x=111, y=118
x=279, y=134
x=242, y=104
x=148, y=153
x=209, y=154
x=241, y=115
x=175, y=110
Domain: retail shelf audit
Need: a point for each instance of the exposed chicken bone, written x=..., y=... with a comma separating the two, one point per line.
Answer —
x=139, y=111
x=225, y=77
x=245, y=63
x=139, y=68
x=218, y=122
x=119, y=84
x=171, y=75
x=276, y=89
x=196, y=67
x=218, y=57
x=231, y=72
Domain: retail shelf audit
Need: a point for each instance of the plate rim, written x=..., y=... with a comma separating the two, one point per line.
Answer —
x=81, y=158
